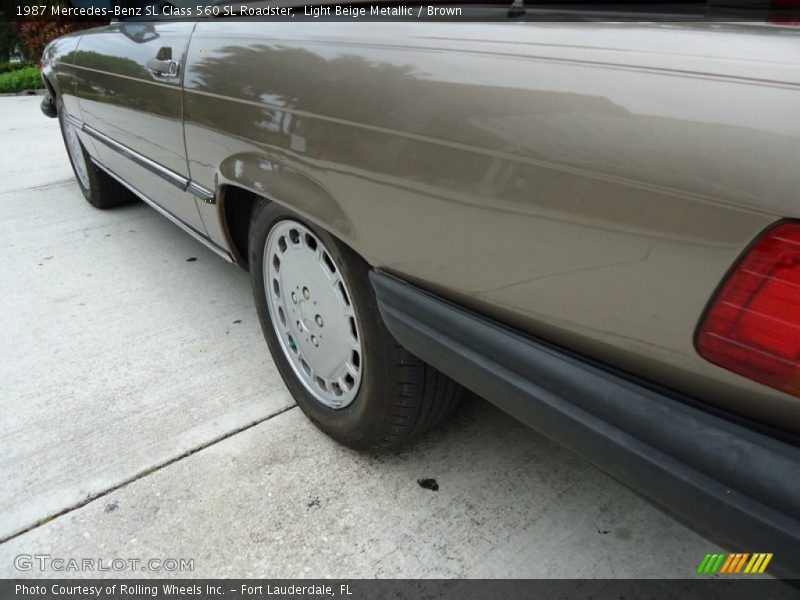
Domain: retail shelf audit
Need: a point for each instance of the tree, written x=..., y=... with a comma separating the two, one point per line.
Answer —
x=30, y=37
x=8, y=40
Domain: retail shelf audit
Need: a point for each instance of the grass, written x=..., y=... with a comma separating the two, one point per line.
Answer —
x=20, y=79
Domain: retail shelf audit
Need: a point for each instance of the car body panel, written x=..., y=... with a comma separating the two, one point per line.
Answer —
x=587, y=183
x=552, y=176
x=120, y=98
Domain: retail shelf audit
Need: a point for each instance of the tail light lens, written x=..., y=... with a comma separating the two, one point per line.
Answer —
x=752, y=326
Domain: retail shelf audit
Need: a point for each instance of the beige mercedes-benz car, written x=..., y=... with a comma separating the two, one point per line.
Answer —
x=592, y=225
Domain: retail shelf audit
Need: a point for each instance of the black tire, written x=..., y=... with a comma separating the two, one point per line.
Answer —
x=399, y=397
x=103, y=190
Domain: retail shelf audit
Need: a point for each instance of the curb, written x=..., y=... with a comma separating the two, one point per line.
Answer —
x=24, y=93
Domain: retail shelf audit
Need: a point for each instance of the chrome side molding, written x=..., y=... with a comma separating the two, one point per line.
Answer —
x=168, y=175
x=75, y=122
x=165, y=213
x=202, y=193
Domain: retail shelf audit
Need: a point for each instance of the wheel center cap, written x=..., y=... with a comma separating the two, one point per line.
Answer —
x=308, y=322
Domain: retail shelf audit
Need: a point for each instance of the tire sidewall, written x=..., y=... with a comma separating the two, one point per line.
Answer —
x=369, y=408
x=88, y=193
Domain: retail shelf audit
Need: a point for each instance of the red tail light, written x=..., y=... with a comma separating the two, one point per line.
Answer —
x=753, y=324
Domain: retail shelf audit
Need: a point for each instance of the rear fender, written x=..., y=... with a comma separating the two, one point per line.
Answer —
x=289, y=187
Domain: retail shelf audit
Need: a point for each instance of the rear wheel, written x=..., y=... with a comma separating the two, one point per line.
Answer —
x=321, y=322
x=97, y=186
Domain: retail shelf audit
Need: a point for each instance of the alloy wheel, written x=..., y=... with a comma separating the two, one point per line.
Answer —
x=312, y=312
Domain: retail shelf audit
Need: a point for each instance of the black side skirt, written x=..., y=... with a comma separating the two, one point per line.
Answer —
x=734, y=484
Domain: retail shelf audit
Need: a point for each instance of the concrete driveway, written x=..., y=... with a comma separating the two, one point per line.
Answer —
x=143, y=419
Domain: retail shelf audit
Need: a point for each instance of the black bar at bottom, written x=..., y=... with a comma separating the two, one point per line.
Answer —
x=365, y=589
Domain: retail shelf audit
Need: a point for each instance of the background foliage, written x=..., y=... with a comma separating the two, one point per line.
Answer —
x=19, y=79
x=27, y=39
x=23, y=42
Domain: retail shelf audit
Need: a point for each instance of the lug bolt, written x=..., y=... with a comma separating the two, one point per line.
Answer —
x=318, y=319
x=294, y=297
x=306, y=293
x=314, y=340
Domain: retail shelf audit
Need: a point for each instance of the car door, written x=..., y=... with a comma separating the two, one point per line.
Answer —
x=130, y=94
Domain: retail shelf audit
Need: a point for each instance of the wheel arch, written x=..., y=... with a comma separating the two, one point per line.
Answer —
x=244, y=178
x=51, y=90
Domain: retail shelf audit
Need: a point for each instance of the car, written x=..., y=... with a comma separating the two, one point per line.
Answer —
x=593, y=225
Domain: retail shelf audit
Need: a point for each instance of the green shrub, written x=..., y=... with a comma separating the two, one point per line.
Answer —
x=21, y=79
x=6, y=67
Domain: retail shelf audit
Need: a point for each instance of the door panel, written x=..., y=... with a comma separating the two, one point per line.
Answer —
x=129, y=89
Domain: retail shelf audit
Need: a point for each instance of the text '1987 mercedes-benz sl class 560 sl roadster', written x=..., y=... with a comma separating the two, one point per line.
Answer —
x=592, y=225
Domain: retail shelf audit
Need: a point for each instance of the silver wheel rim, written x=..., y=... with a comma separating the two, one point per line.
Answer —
x=312, y=312
x=75, y=152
